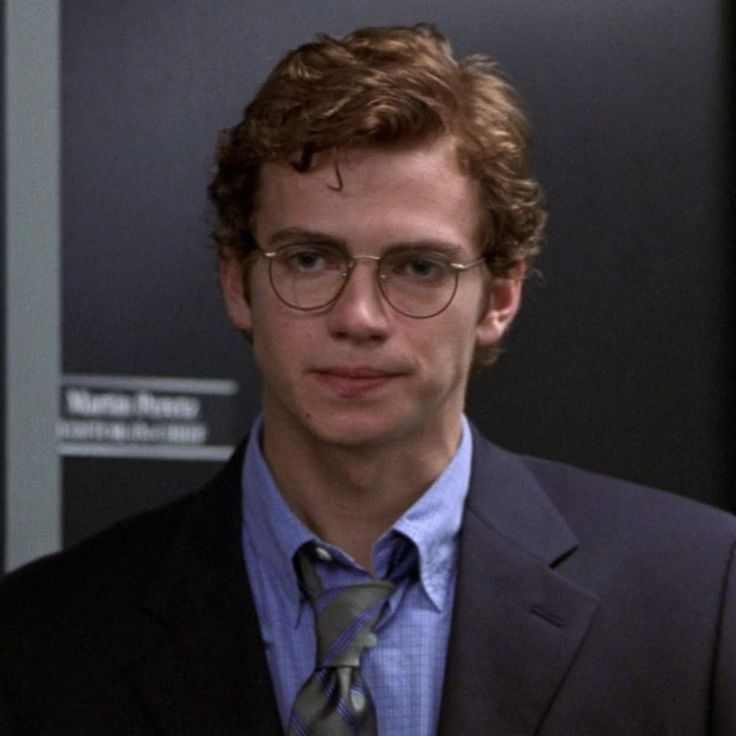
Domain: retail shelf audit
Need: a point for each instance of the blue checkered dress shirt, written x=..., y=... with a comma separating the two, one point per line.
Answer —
x=405, y=670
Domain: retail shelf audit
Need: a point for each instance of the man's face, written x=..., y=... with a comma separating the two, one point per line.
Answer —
x=359, y=373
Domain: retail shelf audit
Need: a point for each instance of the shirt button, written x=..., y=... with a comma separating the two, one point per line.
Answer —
x=371, y=640
x=323, y=554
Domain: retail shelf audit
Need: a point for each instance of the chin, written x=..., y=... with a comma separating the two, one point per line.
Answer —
x=354, y=432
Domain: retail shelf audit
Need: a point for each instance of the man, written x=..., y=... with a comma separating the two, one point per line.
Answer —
x=367, y=563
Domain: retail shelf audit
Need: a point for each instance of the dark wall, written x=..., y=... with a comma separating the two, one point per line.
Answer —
x=623, y=346
x=619, y=360
x=728, y=46
x=2, y=288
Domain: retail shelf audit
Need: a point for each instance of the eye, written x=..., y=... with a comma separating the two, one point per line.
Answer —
x=421, y=267
x=309, y=259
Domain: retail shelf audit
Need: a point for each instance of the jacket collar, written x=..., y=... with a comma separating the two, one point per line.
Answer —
x=210, y=666
x=517, y=622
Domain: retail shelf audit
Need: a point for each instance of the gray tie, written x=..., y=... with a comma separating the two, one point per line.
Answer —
x=335, y=701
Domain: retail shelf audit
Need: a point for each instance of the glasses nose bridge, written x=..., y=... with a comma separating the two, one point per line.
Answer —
x=351, y=261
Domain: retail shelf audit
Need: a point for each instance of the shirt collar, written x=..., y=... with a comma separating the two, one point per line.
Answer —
x=432, y=524
x=272, y=529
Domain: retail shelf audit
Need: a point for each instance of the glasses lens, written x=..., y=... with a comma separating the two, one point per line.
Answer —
x=416, y=282
x=307, y=276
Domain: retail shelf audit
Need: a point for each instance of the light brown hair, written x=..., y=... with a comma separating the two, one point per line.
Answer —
x=379, y=86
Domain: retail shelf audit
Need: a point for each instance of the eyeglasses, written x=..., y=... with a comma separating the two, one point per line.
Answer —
x=416, y=282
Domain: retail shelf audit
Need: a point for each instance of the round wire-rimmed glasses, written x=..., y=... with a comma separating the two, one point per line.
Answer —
x=417, y=282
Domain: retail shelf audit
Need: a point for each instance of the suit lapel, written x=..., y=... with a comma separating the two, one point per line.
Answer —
x=517, y=622
x=208, y=673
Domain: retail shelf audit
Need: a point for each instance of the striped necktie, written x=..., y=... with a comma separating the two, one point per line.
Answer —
x=335, y=701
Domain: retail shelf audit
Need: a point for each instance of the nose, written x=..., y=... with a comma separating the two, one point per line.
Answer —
x=360, y=313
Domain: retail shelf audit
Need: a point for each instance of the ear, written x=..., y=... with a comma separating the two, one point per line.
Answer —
x=232, y=283
x=503, y=304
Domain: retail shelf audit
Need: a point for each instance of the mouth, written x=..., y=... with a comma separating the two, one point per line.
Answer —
x=355, y=381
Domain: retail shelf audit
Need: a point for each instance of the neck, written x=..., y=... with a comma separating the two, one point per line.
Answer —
x=350, y=496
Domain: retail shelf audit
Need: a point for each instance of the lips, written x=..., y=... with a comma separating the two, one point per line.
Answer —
x=356, y=372
x=355, y=381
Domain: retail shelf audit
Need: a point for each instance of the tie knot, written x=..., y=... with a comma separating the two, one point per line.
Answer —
x=344, y=617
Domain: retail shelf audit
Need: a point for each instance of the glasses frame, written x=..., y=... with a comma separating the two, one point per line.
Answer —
x=350, y=261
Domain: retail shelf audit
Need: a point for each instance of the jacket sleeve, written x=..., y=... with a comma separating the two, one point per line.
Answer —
x=724, y=679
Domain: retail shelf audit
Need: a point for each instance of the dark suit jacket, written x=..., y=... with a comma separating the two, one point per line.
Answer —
x=584, y=607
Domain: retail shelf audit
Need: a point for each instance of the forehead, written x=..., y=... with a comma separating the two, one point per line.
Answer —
x=374, y=195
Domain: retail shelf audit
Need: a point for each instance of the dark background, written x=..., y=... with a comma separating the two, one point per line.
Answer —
x=2, y=288
x=620, y=360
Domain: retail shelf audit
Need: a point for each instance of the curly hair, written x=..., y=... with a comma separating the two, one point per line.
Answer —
x=380, y=86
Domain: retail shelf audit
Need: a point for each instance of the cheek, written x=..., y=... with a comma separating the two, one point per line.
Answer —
x=450, y=349
x=282, y=341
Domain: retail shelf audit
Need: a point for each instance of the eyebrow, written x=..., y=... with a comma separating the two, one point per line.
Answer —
x=299, y=235
x=296, y=235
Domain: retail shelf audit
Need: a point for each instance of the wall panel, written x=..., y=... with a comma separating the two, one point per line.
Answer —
x=619, y=361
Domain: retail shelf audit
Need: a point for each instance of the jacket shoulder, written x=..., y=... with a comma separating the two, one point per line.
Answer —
x=123, y=559
x=113, y=567
x=582, y=495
